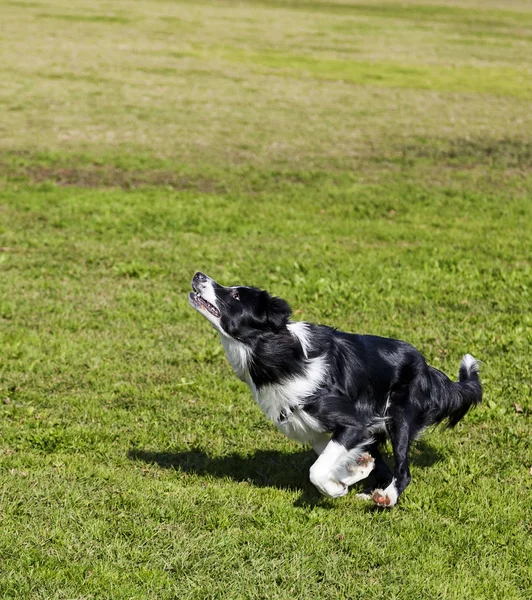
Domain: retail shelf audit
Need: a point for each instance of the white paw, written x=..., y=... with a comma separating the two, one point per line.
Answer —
x=331, y=488
x=386, y=498
x=356, y=470
x=336, y=489
x=326, y=485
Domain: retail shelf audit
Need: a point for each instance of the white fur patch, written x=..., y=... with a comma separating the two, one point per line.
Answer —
x=291, y=392
x=470, y=363
x=206, y=291
x=322, y=471
x=302, y=427
x=283, y=398
x=301, y=331
x=287, y=397
x=356, y=466
x=238, y=355
x=337, y=468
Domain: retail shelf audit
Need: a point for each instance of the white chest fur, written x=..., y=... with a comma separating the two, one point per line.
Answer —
x=238, y=355
x=281, y=402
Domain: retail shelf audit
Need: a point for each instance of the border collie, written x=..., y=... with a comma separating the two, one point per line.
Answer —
x=344, y=394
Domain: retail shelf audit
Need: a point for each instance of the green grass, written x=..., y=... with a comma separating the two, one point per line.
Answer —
x=370, y=163
x=486, y=80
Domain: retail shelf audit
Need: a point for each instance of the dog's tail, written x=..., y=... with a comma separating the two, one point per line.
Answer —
x=469, y=386
x=456, y=398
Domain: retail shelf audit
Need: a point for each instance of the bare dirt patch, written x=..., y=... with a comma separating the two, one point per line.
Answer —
x=96, y=176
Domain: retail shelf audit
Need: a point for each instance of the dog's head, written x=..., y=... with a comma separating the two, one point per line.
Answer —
x=238, y=312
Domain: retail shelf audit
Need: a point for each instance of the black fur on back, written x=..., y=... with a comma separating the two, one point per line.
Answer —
x=381, y=377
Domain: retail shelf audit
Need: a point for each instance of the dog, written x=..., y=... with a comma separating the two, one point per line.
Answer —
x=343, y=394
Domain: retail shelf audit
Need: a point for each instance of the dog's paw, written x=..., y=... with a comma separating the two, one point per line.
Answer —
x=386, y=498
x=327, y=483
x=357, y=470
x=365, y=460
x=332, y=489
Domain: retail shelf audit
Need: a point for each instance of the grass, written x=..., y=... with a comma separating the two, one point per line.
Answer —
x=368, y=162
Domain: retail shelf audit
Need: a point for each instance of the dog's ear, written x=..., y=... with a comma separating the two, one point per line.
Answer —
x=278, y=313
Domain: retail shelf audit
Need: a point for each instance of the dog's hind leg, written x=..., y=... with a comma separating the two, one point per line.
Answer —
x=400, y=435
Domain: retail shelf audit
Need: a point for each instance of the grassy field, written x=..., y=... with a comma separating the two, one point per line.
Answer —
x=370, y=162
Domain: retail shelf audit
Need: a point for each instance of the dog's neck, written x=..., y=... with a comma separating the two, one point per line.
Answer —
x=272, y=357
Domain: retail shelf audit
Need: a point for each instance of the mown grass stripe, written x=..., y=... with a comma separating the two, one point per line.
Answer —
x=496, y=81
x=485, y=17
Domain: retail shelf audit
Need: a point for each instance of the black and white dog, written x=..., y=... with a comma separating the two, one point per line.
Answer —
x=342, y=393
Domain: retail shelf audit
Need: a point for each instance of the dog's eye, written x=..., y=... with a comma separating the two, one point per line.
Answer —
x=235, y=294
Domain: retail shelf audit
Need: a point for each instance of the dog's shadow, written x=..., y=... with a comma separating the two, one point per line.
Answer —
x=263, y=468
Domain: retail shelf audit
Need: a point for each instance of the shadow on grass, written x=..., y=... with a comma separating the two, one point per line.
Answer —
x=423, y=455
x=263, y=468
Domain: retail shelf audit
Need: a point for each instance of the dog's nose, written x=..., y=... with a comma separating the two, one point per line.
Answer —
x=200, y=277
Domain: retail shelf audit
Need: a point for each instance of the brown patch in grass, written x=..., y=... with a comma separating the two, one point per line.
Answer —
x=467, y=153
x=96, y=176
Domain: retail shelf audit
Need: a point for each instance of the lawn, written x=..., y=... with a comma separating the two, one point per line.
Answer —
x=371, y=163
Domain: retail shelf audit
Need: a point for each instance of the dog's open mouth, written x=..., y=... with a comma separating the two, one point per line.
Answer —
x=200, y=302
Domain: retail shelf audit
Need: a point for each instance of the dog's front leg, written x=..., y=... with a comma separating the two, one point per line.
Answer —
x=322, y=472
x=340, y=466
x=342, y=463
